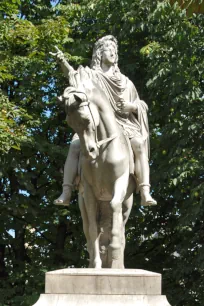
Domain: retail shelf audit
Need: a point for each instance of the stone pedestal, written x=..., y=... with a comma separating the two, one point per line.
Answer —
x=104, y=287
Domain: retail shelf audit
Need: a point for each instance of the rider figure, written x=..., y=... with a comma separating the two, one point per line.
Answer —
x=130, y=112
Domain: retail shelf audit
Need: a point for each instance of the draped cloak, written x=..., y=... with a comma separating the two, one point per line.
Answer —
x=117, y=87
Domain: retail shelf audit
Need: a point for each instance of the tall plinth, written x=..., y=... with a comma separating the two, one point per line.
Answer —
x=93, y=287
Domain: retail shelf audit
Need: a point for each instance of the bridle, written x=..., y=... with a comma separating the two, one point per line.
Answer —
x=103, y=141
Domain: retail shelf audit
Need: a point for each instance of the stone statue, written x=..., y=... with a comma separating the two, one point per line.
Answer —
x=111, y=150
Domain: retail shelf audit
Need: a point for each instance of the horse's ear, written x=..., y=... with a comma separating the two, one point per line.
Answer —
x=77, y=98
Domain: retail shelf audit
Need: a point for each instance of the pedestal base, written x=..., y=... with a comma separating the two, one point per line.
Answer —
x=91, y=287
x=101, y=300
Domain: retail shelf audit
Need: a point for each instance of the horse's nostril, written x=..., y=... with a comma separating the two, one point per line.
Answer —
x=92, y=150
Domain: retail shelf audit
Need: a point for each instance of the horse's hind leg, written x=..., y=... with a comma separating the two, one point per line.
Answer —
x=92, y=214
x=86, y=228
x=127, y=206
x=117, y=233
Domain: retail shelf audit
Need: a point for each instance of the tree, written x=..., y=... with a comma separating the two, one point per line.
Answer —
x=195, y=6
x=161, y=52
x=32, y=243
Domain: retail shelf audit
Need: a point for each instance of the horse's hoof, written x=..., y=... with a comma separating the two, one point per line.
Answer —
x=117, y=264
x=97, y=265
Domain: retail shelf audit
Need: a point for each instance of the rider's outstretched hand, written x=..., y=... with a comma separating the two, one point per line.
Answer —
x=66, y=67
x=59, y=54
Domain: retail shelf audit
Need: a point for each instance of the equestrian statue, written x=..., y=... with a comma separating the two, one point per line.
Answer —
x=110, y=150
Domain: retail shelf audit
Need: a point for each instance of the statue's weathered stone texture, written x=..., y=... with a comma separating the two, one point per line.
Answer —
x=104, y=109
x=110, y=150
x=105, y=287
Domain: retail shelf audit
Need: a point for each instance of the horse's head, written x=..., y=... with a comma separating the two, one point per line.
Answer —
x=83, y=117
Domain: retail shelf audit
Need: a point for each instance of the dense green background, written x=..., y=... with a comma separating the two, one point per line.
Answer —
x=161, y=51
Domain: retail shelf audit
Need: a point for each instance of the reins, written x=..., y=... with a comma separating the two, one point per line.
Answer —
x=103, y=141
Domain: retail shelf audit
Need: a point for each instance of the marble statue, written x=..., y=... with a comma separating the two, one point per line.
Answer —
x=109, y=150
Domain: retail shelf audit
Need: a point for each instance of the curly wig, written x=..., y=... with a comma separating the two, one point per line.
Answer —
x=98, y=51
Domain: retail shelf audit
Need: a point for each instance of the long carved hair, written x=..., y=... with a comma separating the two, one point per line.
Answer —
x=98, y=51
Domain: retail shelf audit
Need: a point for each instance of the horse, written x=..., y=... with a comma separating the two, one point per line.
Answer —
x=105, y=174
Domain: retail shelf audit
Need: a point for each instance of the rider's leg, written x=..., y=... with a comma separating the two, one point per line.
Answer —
x=70, y=172
x=142, y=170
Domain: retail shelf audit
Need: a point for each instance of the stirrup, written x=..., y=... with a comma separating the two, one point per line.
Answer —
x=146, y=200
x=65, y=202
x=149, y=202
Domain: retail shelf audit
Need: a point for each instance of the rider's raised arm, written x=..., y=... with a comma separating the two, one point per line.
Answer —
x=66, y=67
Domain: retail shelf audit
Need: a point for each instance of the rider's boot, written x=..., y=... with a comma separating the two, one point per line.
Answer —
x=146, y=198
x=64, y=198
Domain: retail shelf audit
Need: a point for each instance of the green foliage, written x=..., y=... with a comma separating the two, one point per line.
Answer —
x=191, y=6
x=174, y=74
x=160, y=50
x=12, y=128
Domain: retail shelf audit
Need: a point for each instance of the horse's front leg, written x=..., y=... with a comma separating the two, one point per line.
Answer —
x=92, y=212
x=127, y=206
x=86, y=228
x=116, y=245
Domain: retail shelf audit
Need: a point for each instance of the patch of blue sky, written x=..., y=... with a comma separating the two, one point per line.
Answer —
x=12, y=233
x=24, y=192
x=54, y=2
